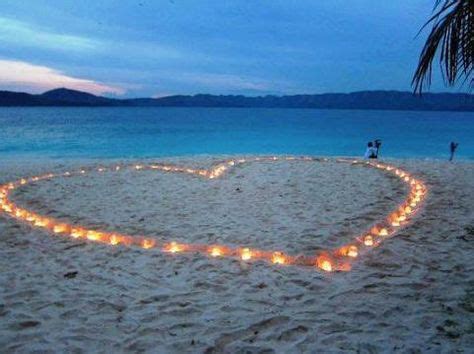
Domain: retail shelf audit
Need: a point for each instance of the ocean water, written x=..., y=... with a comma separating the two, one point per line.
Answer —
x=154, y=131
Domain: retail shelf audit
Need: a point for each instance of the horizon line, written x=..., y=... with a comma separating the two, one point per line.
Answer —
x=241, y=95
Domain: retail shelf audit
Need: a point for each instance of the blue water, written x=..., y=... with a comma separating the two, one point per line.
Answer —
x=153, y=132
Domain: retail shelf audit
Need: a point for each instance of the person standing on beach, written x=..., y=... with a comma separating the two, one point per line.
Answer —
x=371, y=152
x=452, y=148
x=377, y=144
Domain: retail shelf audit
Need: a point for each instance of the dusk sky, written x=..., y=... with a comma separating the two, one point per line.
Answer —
x=143, y=48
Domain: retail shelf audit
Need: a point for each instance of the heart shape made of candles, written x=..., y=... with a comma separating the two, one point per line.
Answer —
x=329, y=260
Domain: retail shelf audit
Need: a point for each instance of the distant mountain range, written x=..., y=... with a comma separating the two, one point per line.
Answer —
x=382, y=100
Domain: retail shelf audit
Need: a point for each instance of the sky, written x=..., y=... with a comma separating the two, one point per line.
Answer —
x=155, y=48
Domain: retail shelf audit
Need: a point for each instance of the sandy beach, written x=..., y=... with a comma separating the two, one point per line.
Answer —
x=414, y=293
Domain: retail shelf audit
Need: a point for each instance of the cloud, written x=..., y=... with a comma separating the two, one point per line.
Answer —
x=35, y=78
x=24, y=34
x=162, y=94
x=230, y=83
x=227, y=81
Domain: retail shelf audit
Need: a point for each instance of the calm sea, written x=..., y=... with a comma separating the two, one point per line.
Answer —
x=154, y=132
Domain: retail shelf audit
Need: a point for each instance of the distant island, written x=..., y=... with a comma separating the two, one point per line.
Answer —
x=375, y=100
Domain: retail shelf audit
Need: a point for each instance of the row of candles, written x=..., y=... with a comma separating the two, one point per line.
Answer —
x=339, y=259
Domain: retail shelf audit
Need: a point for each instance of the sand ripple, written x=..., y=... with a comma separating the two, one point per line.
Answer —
x=415, y=293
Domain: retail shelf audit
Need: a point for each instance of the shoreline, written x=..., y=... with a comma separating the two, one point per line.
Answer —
x=237, y=107
x=78, y=159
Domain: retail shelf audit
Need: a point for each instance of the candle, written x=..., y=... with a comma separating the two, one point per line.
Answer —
x=352, y=251
x=368, y=240
x=114, y=240
x=173, y=247
x=216, y=251
x=148, y=243
x=278, y=258
x=324, y=263
x=245, y=254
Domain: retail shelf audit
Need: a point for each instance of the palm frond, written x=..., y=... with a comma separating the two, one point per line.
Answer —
x=452, y=39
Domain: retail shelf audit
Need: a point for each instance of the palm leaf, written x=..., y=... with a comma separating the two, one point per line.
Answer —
x=452, y=39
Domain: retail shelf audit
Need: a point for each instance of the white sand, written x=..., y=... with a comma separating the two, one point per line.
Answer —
x=414, y=293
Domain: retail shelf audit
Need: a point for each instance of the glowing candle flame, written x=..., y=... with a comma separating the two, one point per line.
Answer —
x=114, y=240
x=324, y=263
x=369, y=240
x=245, y=254
x=173, y=247
x=352, y=251
x=148, y=243
x=383, y=232
x=20, y=213
x=326, y=266
x=216, y=251
x=60, y=228
x=94, y=235
x=394, y=219
x=41, y=222
x=77, y=232
x=278, y=258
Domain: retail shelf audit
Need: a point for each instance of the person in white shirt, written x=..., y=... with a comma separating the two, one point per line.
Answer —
x=371, y=152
